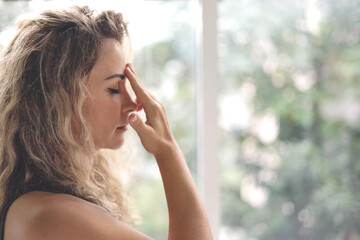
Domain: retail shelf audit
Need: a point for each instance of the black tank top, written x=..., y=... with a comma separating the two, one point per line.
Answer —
x=30, y=188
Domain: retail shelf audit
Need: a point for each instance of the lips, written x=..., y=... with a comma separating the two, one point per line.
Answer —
x=124, y=127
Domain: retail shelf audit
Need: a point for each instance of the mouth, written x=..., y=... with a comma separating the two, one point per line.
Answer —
x=124, y=127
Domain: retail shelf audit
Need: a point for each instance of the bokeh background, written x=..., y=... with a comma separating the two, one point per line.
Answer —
x=288, y=102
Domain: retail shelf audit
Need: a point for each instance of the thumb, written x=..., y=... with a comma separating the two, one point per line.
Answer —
x=137, y=124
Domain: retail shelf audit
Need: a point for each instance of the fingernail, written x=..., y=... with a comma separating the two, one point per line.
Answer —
x=133, y=118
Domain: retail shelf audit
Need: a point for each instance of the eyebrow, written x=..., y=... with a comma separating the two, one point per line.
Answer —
x=121, y=76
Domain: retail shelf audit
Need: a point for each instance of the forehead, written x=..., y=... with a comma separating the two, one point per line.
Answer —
x=110, y=50
x=111, y=60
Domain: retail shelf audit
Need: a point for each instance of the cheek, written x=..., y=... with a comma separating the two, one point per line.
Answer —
x=106, y=111
x=102, y=112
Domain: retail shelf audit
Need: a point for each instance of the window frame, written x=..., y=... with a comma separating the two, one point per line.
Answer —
x=207, y=112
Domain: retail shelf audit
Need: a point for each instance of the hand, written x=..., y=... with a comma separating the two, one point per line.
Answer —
x=155, y=134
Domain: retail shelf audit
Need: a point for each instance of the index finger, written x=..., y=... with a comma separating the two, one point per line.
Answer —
x=136, y=85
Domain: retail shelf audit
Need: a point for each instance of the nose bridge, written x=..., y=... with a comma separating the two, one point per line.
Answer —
x=128, y=104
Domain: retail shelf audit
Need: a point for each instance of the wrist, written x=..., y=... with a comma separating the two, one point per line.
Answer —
x=167, y=151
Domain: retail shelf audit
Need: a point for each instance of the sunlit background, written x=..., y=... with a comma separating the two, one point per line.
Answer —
x=288, y=104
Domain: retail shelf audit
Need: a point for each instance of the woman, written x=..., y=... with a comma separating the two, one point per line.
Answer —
x=63, y=98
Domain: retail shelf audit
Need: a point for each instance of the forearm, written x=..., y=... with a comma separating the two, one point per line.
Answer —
x=187, y=214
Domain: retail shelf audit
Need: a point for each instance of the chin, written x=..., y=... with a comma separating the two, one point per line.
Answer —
x=113, y=142
x=114, y=145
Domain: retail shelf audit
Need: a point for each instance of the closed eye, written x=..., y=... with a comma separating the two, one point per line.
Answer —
x=114, y=91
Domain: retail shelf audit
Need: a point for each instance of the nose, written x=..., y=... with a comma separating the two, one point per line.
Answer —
x=128, y=104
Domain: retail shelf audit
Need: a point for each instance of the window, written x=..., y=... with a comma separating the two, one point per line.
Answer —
x=289, y=103
x=264, y=100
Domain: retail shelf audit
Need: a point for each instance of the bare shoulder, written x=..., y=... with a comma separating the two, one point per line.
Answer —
x=43, y=215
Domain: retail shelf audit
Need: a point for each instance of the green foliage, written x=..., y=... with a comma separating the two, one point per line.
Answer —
x=314, y=191
x=307, y=78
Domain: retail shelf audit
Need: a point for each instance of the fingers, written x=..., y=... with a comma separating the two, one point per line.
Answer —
x=139, y=126
x=148, y=101
x=155, y=131
x=140, y=92
x=139, y=106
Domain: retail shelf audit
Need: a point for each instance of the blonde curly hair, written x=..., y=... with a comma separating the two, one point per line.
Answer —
x=42, y=91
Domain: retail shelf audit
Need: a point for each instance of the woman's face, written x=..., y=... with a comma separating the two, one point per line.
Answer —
x=108, y=104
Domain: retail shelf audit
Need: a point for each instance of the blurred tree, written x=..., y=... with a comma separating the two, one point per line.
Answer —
x=302, y=60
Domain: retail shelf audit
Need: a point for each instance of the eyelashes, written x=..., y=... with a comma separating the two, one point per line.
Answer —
x=113, y=91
